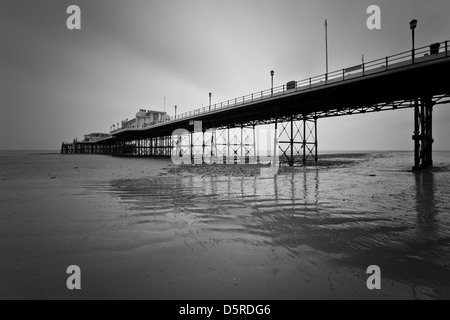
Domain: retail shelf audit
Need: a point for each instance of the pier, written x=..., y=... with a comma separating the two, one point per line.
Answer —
x=225, y=131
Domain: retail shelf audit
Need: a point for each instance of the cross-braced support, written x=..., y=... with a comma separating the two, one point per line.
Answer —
x=220, y=146
x=231, y=145
x=309, y=139
x=234, y=145
x=423, y=133
x=165, y=146
x=297, y=140
x=197, y=147
x=181, y=146
x=248, y=144
x=213, y=146
x=288, y=141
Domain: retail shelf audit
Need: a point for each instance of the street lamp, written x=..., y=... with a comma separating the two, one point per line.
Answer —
x=175, y=112
x=413, y=25
x=210, y=101
x=271, y=74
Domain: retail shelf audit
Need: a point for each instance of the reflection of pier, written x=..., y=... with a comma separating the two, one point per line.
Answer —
x=426, y=204
x=225, y=130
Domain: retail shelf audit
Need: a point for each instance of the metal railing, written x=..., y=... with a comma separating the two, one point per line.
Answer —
x=431, y=52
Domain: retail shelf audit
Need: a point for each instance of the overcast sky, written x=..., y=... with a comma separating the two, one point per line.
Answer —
x=58, y=84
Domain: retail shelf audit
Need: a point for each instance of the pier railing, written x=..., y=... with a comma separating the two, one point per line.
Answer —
x=434, y=51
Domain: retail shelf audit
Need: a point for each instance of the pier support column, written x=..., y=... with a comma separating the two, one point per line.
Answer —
x=255, y=153
x=220, y=145
x=196, y=142
x=203, y=145
x=275, y=159
x=246, y=145
x=288, y=141
x=298, y=140
x=213, y=144
x=150, y=147
x=228, y=146
x=309, y=139
x=242, y=156
x=234, y=144
x=166, y=146
x=423, y=133
x=291, y=142
x=207, y=147
x=169, y=146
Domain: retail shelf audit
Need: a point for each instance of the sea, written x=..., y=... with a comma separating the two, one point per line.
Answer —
x=138, y=232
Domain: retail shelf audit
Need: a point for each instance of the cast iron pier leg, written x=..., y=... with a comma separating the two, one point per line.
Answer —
x=423, y=133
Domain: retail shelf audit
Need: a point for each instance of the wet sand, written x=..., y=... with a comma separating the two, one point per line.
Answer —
x=253, y=170
x=147, y=229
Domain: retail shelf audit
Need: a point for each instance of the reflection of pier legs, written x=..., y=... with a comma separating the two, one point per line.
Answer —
x=426, y=204
x=423, y=133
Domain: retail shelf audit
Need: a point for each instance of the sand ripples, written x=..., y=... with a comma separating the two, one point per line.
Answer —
x=348, y=215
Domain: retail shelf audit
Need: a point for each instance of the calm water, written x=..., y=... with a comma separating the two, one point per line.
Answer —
x=306, y=233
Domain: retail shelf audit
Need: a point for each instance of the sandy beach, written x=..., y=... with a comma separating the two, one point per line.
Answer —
x=147, y=229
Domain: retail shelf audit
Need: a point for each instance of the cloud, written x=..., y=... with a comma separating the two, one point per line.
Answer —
x=132, y=54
